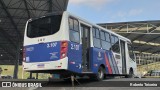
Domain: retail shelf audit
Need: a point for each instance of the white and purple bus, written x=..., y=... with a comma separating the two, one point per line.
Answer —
x=62, y=43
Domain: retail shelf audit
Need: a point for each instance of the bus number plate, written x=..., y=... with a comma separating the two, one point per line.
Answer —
x=50, y=45
x=74, y=47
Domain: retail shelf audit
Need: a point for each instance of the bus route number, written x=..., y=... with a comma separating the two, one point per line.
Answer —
x=50, y=45
x=74, y=47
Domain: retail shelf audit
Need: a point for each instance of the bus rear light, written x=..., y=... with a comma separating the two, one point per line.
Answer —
x=64, y=44
x=64, y=49
x=63, y=54
x=59, y=66
x=24, y=55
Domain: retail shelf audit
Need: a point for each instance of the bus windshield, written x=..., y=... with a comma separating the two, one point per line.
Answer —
x=44, y=26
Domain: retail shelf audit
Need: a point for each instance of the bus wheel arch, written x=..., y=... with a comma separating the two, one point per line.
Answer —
x=131, y=70
x=100, y=75
x=104, y=68
x=131, y=73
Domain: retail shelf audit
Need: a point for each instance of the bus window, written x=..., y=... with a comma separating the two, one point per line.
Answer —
x=94, y=32
x=105, y=40
x=97, y=33
x=97, y=43
x=74, y=30
x=107, y=37
x=96, y=38
x=76, y=25
x=102, y=35
x=116, y=40
x=74, y=36
x=45, y=26
x=112, y=39
x=70, y=24
x=106, y=45
x=115, y=44
x=131, y=54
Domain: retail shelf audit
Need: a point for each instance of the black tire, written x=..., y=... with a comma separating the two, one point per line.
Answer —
x=131, y=74
x=100, y=75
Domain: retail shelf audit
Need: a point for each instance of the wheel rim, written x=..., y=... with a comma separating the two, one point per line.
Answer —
x=100, y=74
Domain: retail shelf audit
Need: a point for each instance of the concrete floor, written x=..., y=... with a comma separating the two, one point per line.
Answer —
x=86, y=85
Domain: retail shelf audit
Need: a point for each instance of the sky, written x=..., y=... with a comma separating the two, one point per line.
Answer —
x=111, y=11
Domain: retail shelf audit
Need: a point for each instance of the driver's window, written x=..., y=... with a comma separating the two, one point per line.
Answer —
x=131, y=53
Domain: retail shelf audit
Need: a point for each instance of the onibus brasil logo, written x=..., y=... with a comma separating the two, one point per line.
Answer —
x=20, y=84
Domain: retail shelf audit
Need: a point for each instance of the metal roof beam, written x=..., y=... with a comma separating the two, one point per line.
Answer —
x=11, y=19
x=8, y=51
x=146, y=49
x=153, y=39
x=158, y=51
x=7, y=36
x=14, y=17
x=28, y=9
x=65, y=5
x=153, y=29
x=60, y=5
x=50, y=5
x=146, y=32
x=135, y=30
x=28, y=13
x=149, y=41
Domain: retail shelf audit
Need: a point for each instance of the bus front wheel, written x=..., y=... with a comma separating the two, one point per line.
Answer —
x=131, y=74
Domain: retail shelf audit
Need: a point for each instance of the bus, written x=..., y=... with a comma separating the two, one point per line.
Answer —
x=62, y=43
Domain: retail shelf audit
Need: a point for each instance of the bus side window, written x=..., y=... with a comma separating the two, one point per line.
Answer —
x=107, y=35
x=94, y=32
x=70, y=24
x=76, y=25
x=96, y=38
x=102, y=35
x=97, y=33
x=74, y=30
x=115, y=44
x=105, y=40
x=130, y=51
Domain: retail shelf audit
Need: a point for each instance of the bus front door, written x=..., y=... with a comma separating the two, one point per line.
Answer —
x=123, y=55
x=85, y=37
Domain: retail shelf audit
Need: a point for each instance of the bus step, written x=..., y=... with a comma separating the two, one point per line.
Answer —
x=87, y=72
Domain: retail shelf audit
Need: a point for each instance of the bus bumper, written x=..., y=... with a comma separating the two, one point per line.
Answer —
x=49, y=65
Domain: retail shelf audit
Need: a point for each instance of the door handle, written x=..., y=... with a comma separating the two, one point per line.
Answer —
x=41, y=43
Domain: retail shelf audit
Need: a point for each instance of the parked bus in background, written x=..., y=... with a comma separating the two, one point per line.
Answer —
x=64, y=44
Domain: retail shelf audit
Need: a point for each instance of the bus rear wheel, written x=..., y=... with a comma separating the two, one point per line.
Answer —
x=100, y=75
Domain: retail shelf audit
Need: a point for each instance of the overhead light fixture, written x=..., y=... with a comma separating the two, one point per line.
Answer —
x=1, y=55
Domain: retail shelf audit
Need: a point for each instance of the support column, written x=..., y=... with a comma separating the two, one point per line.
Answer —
x=30, y=76
x=36, y=75
x=139, y=59
x=50, y=2
x=15, y=75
